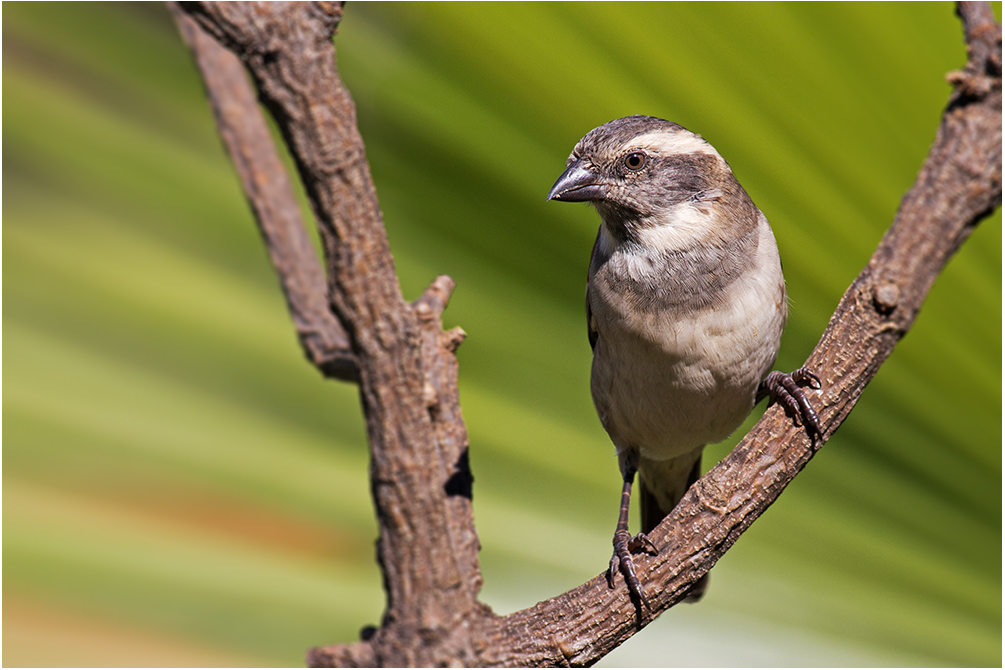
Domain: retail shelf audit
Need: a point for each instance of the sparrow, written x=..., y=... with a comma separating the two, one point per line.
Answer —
x=685, y=307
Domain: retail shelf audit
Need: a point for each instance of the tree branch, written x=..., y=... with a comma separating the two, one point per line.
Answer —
x=406, y=366
x=270, y=194
x=408, y=373
x=959, y=184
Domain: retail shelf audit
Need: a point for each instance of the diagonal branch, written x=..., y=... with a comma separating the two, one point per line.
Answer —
x=407, y=370
x=270, y=193
x=959, y=184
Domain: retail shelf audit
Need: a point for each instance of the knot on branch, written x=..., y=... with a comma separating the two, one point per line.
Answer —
x=982, y=74
x=453, y=338
x=886, y=296
x=712, y=496
x=972, y=85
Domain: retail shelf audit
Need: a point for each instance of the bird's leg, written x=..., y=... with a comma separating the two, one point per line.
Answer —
x=785, y=388
x=625, y=545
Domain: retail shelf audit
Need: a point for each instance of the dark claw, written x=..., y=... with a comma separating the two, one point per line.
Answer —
x=785, y=388
x=622, y=562
x=641, y=542
x=614, y=569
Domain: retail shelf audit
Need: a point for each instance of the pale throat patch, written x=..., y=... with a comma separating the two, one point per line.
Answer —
x=685, y=225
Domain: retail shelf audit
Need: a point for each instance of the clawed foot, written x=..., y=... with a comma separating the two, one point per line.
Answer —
x=621, y=561
x=785, y=388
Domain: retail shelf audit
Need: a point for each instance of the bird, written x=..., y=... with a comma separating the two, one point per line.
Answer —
x=685, y=307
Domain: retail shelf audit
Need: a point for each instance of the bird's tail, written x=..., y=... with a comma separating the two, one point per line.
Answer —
x=661, y=486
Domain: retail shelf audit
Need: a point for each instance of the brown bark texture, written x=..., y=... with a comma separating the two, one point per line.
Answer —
x=358, y=327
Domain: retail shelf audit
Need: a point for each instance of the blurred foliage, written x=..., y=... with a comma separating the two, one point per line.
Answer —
x=182, y=488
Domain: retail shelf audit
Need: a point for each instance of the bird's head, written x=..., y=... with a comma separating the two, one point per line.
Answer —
x=639, y=170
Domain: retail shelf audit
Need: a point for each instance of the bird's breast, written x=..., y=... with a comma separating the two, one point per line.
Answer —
x=683, y=342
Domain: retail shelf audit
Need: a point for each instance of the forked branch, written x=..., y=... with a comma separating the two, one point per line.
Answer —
x=362, y=329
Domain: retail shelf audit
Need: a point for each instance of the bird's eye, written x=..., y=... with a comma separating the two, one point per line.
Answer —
x=635, y=161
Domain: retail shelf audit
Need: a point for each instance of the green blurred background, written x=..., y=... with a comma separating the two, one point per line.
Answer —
x=182, y=488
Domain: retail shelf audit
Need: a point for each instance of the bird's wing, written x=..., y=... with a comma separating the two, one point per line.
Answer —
x=591, y=331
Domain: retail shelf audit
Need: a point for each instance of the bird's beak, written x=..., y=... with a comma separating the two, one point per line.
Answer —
x=577, y=184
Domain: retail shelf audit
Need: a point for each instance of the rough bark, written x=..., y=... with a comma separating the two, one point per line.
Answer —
x=407, y=372
x=270, y=194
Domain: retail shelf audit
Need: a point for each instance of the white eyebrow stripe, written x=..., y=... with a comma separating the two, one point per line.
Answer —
x=674, y=143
